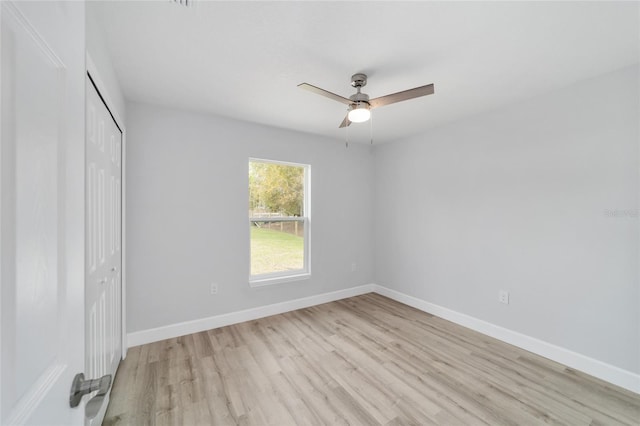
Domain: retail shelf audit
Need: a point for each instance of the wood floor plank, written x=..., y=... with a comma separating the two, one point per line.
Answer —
x=366, y=360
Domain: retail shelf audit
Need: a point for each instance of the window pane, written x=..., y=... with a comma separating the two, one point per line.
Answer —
x=277, y=194
x=277, y=247
x=275, y=190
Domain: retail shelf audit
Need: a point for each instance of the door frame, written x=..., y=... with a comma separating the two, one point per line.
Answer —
x=93, y=72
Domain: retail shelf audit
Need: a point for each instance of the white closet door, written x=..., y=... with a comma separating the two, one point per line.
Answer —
x=104, y=237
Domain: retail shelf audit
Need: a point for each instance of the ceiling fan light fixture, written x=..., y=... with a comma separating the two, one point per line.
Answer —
x=360, y=113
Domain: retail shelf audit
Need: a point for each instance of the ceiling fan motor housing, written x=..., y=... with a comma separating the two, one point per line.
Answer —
x=359, y=80
x=359, y=97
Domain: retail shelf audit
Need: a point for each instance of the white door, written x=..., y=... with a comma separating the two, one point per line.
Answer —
x=41, y=210
x=103, y=236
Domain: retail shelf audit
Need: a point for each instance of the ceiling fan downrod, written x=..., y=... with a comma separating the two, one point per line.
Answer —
x=359, y=81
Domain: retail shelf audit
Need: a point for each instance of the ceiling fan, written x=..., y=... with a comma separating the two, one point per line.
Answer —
x=360, y=105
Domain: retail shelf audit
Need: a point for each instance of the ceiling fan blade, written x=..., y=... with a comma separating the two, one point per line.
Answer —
x=346, y=122
x=402, y=96
x=325, y=93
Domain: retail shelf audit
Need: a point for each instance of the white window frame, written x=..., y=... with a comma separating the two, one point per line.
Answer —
x=286, y=276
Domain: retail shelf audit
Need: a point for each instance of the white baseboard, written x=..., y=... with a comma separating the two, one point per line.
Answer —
x=599, y=369
x=188, y=327
x=617, y=376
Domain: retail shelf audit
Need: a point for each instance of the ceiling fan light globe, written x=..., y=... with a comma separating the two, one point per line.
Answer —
x=359, y=114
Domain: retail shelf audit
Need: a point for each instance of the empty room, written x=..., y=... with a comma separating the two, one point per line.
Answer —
x=319, y=213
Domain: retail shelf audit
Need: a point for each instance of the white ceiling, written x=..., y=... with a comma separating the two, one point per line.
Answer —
x=244, y=59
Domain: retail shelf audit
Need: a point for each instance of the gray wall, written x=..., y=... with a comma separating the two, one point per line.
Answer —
x=187, y=206
x=101, y=57
x=540, y=199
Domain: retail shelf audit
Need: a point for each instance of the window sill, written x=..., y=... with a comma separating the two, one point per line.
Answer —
x=261, y=282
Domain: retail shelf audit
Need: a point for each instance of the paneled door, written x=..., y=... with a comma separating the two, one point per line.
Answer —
x=42, y=67
x=103, y=235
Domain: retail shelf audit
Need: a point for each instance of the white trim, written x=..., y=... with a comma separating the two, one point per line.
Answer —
x=102, y=89
x=196, y=326
x=612, y=374
x=277, y=219
x=277, y=279
x=280, y=162
x=1, y=233
x=123, y=245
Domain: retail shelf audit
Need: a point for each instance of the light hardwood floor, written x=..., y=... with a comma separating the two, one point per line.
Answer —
x=365, y=360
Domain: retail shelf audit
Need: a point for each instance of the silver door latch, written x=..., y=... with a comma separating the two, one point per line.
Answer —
x=81, y=387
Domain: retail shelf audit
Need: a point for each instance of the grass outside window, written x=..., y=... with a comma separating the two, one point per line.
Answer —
x=275, y=251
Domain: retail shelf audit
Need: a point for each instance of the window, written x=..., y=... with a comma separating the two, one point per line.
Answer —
x=278, y=221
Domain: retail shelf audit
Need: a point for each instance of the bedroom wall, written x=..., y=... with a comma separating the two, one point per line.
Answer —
x=539, y=199
x=187, y=223
x=101, y=57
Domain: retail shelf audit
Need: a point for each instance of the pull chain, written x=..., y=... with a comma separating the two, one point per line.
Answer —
x=346, y=138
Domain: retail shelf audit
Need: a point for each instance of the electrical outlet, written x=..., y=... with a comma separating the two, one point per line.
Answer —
x=503, y=297
x=214, y=288
x=354, y=267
